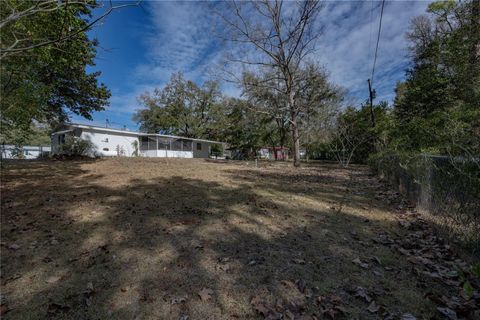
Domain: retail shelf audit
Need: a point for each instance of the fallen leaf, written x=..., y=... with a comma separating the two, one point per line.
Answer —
x=336, y=299
x=373, y=307
x=448, y=313
x=52, y=279
x=205, y=294
x=289, y=284
x=90, y=287
x=289, y=315
x=299, y=261
x=362, y=293
x=196, y=244
x=260, y=306
x=408, y=316
x=178, y=300
x=301, y=285
x=14, y=247
x=359, y=263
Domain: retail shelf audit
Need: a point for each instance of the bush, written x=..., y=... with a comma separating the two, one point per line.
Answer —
x=75, y=146
x=216, y=150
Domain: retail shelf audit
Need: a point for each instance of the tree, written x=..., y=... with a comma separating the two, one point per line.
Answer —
x=43, y=75
x=353, y=137
x=269, y=104
x=316, y=97
x=182, y=108
x=320, y=101
x=18, y=38
x=436, y=108
x=282, y=40
x=246, y=131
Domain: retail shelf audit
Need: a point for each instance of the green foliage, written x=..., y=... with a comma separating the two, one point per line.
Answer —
x=247, y=130
x=182, y=108
x=468, y=289
x=436, y=108
x=135, y=148
x=75, y=146
x=476, y=270
x=355, y=137
x=32, y=136
x=216, y=150
x=44, y=84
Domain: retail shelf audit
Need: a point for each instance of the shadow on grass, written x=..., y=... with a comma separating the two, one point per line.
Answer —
x=146, y=248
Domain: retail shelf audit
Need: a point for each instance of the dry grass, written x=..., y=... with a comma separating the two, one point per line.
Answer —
x=139, y=238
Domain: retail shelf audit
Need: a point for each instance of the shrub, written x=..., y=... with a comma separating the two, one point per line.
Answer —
x=216, y=150
x=75, y=146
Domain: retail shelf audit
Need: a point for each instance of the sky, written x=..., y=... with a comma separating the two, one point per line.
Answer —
x=141, y=46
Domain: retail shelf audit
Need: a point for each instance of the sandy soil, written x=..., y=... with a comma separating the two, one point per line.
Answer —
x=200, y=239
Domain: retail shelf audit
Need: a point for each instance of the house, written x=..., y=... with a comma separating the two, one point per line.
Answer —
x=115, y=142
x=274, y=153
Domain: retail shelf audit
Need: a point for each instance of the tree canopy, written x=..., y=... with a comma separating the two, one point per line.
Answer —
x=182, y=108
x=436, y=108
x=46, y=83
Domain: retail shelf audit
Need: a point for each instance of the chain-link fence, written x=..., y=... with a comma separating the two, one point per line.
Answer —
x=445, y=189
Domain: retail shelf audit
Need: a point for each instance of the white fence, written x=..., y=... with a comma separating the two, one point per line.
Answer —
x=25, y=152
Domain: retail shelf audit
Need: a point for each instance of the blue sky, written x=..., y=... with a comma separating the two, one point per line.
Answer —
x=140, y=47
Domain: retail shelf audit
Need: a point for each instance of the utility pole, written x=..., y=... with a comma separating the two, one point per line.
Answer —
x=372, y=96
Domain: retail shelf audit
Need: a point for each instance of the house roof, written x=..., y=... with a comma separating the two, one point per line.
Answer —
x=135, y=133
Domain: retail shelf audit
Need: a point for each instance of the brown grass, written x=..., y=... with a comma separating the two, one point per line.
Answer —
x=139, y=238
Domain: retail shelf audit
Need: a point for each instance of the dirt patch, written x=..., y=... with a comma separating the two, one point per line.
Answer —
x=196, y=239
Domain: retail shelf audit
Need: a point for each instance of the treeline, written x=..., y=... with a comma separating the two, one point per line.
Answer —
x=287, y=100
x=437, y=108
x=256, y=120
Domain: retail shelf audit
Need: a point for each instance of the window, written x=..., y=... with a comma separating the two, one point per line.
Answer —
x=105, y=149
x=61, y=139
x=177, y=145
x=187, y=145
x=143, y=143
x=199, y=146
x=148, y=143
x=163, y=144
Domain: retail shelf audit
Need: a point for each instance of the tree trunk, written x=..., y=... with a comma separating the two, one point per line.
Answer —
x=296, y=141
x=295, y=134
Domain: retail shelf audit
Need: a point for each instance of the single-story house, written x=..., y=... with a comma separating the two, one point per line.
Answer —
x=115, y=142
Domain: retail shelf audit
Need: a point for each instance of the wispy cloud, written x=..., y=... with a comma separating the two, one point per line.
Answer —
x=178, y=38
x=347, y=46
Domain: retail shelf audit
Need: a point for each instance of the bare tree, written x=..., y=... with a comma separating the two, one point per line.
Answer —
x=343, y=144
x=282, y=36
x=14, y=11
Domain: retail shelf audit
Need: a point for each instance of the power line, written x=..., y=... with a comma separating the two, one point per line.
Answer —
x=378, y=40
x=371, y=30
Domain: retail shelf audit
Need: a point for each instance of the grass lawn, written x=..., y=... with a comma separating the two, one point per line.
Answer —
x=200, y=239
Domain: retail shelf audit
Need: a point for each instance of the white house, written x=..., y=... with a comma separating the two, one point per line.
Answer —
x=114, y=142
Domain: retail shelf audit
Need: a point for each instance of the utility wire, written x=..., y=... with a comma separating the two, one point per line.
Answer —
x=371, y=30
x=378, y=40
